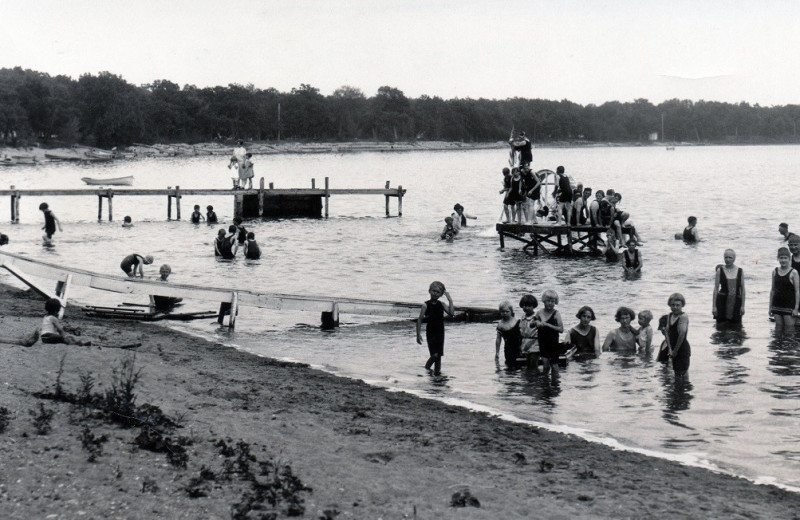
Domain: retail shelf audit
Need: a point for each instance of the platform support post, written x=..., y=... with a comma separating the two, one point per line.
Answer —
x=178, y=202
x=110, y=196
x=387, y=199
x=400, y=201
x=261, y=197
x=327, y=195
x=99, y=207
x=169, y=206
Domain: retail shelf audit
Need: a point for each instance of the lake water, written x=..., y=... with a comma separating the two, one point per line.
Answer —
x=742, y=410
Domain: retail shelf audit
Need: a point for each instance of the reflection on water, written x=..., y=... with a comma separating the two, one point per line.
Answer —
x=784, y=359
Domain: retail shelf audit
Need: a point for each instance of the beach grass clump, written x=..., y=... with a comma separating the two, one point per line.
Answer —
x=92, y=443
x=120, y=399
x=42, y=420
x=5, y=418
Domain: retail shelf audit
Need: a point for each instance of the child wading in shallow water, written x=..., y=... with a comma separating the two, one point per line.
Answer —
x=432, y=312
x=784, y=297
x=677, y=330
x=548, y=321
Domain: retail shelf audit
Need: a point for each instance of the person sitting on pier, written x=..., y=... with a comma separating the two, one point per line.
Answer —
x=197, y=216
x=564, y=197
x=523, y=146
x=211, y=217
x=633, y=260
x=594, y=208
x=251, y=249
x=164, y=303
x=134, y=262
x=225, y=245
x=606, y=210
x=449, y=232
x=460, y=218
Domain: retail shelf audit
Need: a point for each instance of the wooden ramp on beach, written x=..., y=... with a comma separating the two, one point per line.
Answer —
x=230, y=298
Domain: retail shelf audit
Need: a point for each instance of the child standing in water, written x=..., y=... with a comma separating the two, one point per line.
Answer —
x=508, y=333
x=433, y=312
x=528, y=330
x=50, y=223
x=548, y=321
x=677, y=331
x=196, y=215
x=784, y=297
x=644, y=337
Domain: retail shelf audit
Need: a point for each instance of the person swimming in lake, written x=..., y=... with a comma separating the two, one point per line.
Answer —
x=449, y=232
x=197, y=216
x=164, y=303
x=632, y=257
x=211, y=217
x=459, y=217
x=623, y=338
x=127, y=222
x=251, y=249
x=225, y=245
x=584, y=336
x=689, y=234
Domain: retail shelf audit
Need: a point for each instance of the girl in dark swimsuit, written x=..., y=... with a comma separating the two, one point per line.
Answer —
x=508, y=332
x=548, y=320
x=677, y=331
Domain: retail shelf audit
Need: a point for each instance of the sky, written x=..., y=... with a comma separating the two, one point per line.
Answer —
x=588, y=52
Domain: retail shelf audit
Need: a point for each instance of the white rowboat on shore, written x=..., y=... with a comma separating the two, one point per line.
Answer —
x=112, y=181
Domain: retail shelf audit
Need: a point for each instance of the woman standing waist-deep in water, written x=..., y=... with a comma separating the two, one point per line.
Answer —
x=729, y=293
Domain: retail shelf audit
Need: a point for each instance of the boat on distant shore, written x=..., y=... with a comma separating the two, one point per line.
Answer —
x=112, y=181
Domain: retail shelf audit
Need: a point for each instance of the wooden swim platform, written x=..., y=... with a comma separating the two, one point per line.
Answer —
x=329, y=306
x=554, y=240
x=261, y=196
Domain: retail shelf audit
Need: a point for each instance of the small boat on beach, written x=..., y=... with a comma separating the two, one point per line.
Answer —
x=111, y=181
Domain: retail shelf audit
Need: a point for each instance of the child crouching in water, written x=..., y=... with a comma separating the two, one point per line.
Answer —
x=52, y=331
x=433, y=312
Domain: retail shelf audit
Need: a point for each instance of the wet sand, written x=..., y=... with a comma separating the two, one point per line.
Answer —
x=364, y=452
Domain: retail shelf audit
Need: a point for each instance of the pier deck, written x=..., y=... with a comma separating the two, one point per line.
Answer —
x=262, y=194
x=554, y=240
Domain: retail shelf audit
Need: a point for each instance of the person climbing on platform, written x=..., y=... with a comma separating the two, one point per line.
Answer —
x=522, y=146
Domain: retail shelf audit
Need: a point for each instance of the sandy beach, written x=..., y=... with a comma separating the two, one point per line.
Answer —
x=216, y=432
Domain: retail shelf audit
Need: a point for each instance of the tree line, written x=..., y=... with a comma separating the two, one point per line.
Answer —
x=105, y=110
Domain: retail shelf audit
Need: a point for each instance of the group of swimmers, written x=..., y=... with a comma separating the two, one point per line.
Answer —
x=535, y=338
x=454, y=223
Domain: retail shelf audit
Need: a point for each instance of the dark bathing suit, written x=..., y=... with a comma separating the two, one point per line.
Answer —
x=49, y=223
x=724, y=296
x=434, y=327
x=687, y=234
x=548, y=340
x=584, y=344
x=225, y=247
x=680, y=363
x=129, y=263
x=512, y=339
x=783, y=298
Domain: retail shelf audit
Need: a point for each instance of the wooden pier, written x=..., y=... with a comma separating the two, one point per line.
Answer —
x=260, y=198
x=554, y=240
x=231, y=299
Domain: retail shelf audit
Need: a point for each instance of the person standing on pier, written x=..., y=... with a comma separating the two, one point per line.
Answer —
x=238, y=159
x=50, y=223
x=523, y=146
x=564, y=197
x=432, y=312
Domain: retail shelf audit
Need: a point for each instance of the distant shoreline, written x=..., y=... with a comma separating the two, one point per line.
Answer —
x=28, y=154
